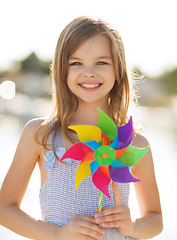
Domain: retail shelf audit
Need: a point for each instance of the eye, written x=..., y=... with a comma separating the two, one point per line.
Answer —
x=102, y=63
x=75, y=64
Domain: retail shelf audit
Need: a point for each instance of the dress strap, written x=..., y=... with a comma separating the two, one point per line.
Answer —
x=49, y=156
x=57, y=139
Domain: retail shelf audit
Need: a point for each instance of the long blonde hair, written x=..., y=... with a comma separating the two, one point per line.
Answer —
x=66, y=103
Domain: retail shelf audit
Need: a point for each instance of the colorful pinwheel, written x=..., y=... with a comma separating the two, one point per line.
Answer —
x=105, y=152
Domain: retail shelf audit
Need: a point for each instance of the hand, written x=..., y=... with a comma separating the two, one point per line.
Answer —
x=117, y=216
x=81, y=227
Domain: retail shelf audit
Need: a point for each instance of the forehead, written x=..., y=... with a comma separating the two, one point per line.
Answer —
x=95, y=45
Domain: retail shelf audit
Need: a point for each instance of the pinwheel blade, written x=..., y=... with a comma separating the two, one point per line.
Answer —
x=94, y=166
x=83, y=171
x=89, y=156
x=119, y=152
x=116, y=164
x=76, y=151
x=87, y=132
x=93, y=145
x=106, y=124
x=121, y=175
x=105, y=170
x=125, y=134
x=101, y=181
x=105, y=140
x=115, y=142
x=132, y=155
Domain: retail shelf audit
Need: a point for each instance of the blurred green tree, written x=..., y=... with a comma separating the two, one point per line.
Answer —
x=169, y=80
x=33, y=64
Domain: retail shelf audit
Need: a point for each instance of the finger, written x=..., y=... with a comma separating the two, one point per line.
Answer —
x=109, y=211
x=116, y=224
x=84, y=222
x=91, y=229
x=101, y=210
x=86, y=218
x=117, y=194
x=112, y=216
x=90, y=233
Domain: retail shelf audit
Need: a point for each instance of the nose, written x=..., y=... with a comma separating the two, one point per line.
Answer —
x=89, y=73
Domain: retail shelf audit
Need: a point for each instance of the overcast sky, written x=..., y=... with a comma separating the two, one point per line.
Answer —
x=148, y=28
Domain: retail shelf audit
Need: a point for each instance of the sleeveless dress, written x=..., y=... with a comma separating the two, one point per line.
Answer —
x=60, y=201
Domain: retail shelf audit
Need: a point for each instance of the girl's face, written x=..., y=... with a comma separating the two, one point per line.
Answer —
x=91, y=74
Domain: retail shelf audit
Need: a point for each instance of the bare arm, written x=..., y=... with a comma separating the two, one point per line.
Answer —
x=150, y=224
x=14, y=187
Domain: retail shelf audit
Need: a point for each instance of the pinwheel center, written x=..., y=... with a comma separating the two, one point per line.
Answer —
x=105, y=155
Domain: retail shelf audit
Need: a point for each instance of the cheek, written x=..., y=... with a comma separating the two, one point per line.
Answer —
x=73, y=74
x=70, y=77
x=69, y=82
x=109, y=72
x=111, y=76
x=72, y=81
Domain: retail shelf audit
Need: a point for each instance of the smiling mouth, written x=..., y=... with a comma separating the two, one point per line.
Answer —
x=90, y=86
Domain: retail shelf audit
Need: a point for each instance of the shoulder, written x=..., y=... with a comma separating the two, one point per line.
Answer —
x=34, y=125
x=140, y=141
x=146, y=161
x=33, y=133
x=28, y=147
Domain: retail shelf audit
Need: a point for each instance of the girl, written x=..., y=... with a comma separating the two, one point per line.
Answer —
x=89, y=71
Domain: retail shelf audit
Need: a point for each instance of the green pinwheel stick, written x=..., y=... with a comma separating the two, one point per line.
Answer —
x=105, y=152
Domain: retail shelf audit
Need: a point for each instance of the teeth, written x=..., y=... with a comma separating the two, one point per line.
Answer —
x=90, y=85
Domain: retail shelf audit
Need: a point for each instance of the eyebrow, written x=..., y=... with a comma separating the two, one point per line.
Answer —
x=105, y=57
x=99, y=57
x=74, y=58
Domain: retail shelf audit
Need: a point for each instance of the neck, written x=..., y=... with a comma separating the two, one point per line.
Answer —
x=87, y=113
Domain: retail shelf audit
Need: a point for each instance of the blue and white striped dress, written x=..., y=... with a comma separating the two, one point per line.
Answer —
x=60, y=201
